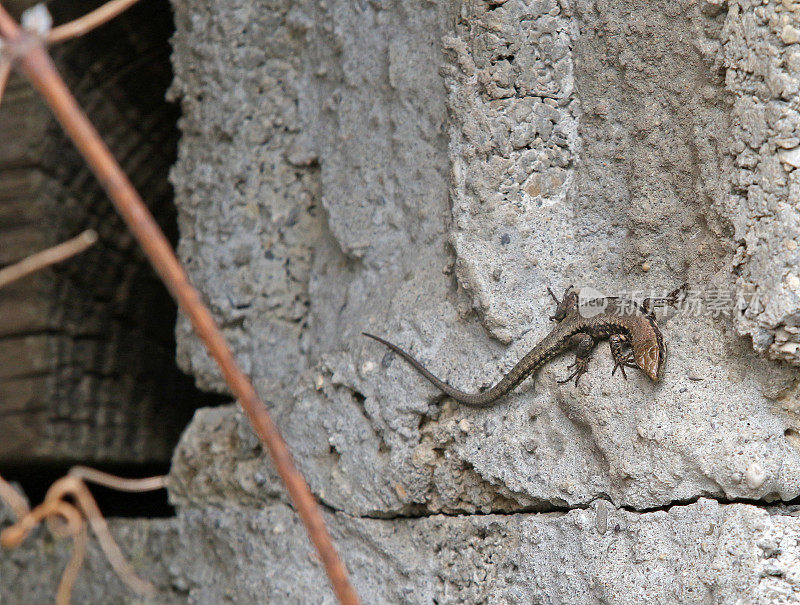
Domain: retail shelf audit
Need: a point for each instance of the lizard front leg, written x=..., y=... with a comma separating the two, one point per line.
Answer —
x=621, y=360
x=583, y=344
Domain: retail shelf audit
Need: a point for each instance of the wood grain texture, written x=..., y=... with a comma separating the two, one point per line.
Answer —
x=87, y=368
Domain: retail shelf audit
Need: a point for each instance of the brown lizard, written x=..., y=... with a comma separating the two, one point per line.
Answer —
x=622, y=324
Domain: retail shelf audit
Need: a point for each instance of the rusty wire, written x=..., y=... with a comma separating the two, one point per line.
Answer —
x=5, y=72
x=15, y=501
x=75, y=487
x=70, y=520
x=73, y=568
x=89, y=21
x=92, y=475
x=74, y=517
x=45, y=258
x=30, y=56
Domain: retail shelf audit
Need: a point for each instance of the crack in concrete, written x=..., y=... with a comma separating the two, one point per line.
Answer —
x=773, y=508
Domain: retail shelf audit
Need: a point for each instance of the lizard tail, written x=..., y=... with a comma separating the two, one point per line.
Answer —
x=477, y=400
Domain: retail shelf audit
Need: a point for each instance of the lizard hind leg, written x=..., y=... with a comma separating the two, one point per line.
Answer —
x=583, y=344
x=616, y=342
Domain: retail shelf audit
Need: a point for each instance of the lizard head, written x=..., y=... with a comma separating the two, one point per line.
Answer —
x=565, y=305
x=650, y=356
x=651, y=367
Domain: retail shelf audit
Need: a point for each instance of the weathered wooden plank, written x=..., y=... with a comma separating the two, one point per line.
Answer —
x=87, y=369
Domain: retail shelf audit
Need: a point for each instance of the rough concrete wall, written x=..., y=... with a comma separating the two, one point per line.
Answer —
x=762, y=61
x=558, y=174
x=423, y=171
x=701, y=553
x=252, y=246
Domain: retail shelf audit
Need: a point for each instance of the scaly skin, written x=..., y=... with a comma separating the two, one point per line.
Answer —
x=637, y=329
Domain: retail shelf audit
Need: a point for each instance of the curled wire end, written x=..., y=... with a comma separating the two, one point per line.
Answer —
x=71, y=519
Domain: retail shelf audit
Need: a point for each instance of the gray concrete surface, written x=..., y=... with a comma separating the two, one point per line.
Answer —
x=424, y=171
x=701, y=553
x=457, y=162
x=762, y=62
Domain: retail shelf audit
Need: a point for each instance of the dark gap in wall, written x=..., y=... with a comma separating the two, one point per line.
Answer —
x=35, y=480
x=118, y=401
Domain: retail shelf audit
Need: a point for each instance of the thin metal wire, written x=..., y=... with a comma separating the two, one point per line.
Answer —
x=89, y=21
x=45, y=258
x=5, y=72
x=118, y=483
